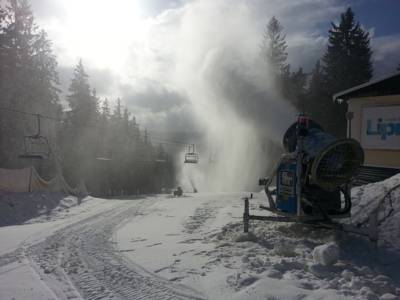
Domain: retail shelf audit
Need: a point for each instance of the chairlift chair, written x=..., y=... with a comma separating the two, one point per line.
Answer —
x=36, y=146
x=103, y=156
x=161, y=157
x=161, y=160
x=191, y=157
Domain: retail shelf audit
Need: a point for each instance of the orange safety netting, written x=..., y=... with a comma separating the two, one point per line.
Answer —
x=28, y=180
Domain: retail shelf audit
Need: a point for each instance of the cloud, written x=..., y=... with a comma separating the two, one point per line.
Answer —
x=155, y=7
x=47, y=9
x=152, y=96
x=386, y=54
x=155, y=54
x=179, y=119
x=102, y=80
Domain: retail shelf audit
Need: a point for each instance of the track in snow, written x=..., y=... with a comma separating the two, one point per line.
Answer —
x=80, y=261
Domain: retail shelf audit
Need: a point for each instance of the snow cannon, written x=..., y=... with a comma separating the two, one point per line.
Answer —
x=311, y=178
x=313, y=173
x=328, y=162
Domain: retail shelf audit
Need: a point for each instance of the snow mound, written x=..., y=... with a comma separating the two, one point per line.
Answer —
x=316, y=262
x=246, y=237
x=327, y=254
x=388, y=296
x=19, y=208
x=379, y=197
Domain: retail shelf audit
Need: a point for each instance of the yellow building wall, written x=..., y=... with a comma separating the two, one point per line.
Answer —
x=373, y=157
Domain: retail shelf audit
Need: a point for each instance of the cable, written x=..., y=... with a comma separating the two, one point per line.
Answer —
x=169, y=142
x=30, y=114
x=160, y=141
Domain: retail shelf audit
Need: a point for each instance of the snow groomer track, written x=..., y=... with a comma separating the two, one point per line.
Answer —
x=81, y=261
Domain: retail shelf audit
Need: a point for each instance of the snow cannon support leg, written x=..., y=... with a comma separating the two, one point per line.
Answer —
x=246, y=215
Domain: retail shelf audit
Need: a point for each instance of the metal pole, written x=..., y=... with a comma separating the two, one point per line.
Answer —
x=349, y=116
x=349, y=128
x=38, y=122
x=246, y=215
x=298, y=171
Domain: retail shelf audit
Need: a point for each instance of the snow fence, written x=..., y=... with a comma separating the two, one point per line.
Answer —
x=28, y=180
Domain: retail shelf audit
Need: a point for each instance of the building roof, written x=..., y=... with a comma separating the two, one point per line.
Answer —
x=388, y=85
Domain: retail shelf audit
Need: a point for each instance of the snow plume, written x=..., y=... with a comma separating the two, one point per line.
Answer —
x=221, y=70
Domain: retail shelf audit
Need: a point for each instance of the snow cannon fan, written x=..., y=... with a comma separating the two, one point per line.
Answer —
x=313, y=173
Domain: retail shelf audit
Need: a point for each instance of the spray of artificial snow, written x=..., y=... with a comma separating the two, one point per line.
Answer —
x=227, y=81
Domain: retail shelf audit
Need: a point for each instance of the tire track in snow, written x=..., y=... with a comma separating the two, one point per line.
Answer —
x=200, y=217
x=81, y=261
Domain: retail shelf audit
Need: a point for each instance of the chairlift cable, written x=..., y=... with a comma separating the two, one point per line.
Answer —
x=161, y=141
x=156, y=140
x=30, y=113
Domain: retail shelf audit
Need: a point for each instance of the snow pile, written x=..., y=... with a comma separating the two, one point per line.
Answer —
x=316, y=263
x=305, y=260
x=18, y=208
x=371, y=197
x=201, y=243
x=327, y=254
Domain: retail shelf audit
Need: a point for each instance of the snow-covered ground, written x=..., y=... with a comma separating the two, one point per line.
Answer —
x=199, y=241
x=193, y=247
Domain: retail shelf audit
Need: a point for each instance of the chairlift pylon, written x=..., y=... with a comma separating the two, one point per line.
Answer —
x=36, y=146
x=191, y=157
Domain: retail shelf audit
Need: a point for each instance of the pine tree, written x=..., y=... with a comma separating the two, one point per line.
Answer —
x=125, y=119
x=317, y=80
x=298, y=81
x=28, y=77
x=27, y=62
x=274, y=46
x=117, y=114
x=347, y=62
x=82, y=101
x=135, y=130
x=293, y=86
x=290, y=84
x=105, y=110
x=82, y=135
x=315, y=106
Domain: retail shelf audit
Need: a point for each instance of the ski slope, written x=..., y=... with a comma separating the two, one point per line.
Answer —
x=79, y=260
x=191, y=247
x=198, y=241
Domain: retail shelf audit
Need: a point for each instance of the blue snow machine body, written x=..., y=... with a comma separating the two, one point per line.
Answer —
x=286, y=198
x=311, y=176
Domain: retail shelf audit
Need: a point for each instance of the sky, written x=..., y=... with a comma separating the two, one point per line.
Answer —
x=154, y=54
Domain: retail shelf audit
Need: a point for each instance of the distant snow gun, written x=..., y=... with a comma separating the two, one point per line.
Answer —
x=311, y=177
x=178, y=192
